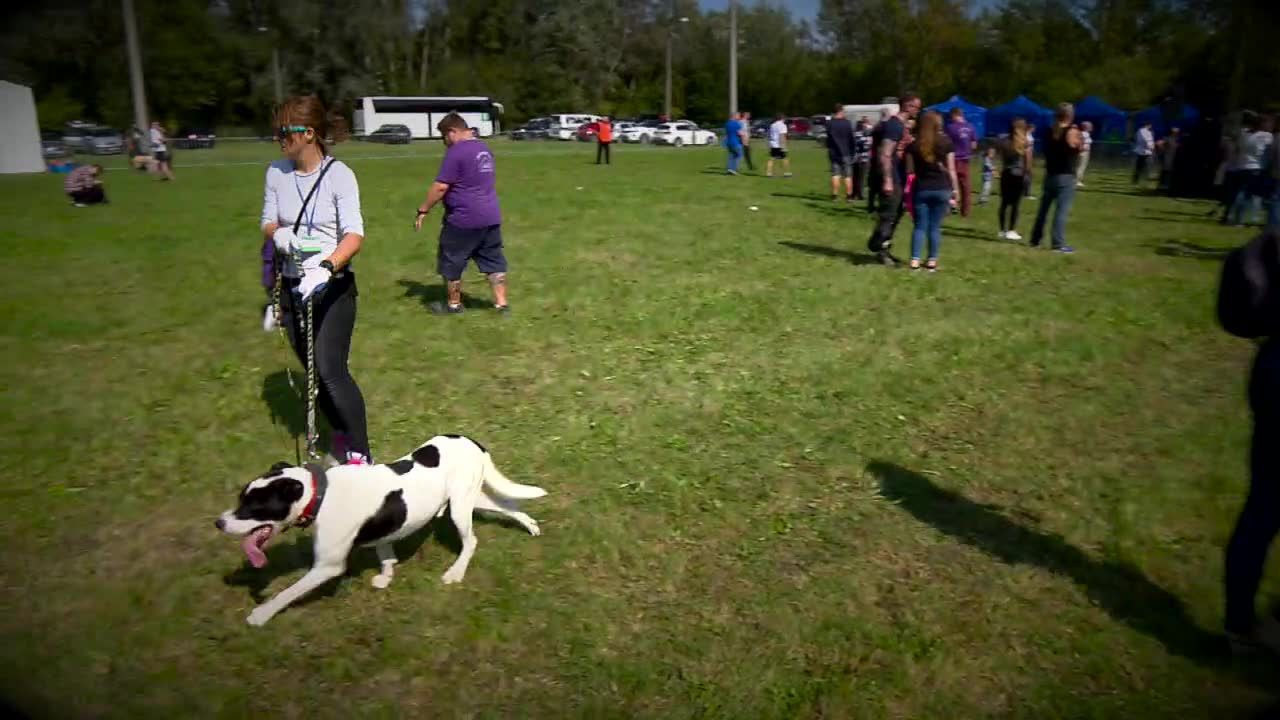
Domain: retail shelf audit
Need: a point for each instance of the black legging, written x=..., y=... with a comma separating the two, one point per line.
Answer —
x=1140, y=168
x=1259, y=520
x=746, y=156
x=1011, y=190
x=335, y=318
x=603, y=148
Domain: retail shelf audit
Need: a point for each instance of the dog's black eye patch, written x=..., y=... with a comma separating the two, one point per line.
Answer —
x=427, y=456
x=473, y=442
x=271, y=501
x=389, y=518
x=401, y=467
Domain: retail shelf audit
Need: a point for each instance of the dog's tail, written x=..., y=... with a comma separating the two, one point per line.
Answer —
x=499, y=483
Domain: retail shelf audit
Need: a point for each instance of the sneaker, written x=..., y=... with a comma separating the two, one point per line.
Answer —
x=355, y=458
x=886, y=259
x=1002, y=235
x=269, y=319
x=731, y=172
x=78, y=205
x=1013, y=235
x=503, y=310
x=439, y=308
x=1064, y=249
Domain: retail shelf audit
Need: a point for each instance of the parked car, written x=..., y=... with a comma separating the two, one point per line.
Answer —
x=75, y=134
x=52, y=146
x=565, y=127
x=104, y=141
x=682, y=133
x=391, y=135
x=760, y=128
x=533, y=130
x=641, y=132
x=194, y=139
x=799, y=127
x=586, y=132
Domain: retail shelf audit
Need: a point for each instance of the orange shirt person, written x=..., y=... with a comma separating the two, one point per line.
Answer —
x=604, y=139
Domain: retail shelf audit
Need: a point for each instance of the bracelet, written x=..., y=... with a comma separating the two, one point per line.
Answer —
x=422, y=212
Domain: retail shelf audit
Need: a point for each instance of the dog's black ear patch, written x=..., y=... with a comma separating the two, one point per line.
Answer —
x=427, y=456
x=483, y=449
x=275, y=469
x=401, y=467
x=388, y=519
x=271, y=501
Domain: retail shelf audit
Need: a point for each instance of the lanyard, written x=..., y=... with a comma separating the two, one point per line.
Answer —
x=311, y=221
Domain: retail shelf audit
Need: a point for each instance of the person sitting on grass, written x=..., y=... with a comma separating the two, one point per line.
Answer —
x=472, y=226
x=84, y=186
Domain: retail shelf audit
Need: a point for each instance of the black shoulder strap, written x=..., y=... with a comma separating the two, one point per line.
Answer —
x=305, y=201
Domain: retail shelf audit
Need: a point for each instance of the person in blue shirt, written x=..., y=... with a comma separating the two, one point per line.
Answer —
x=733, y=142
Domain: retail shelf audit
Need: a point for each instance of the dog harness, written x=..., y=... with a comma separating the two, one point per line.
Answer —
x=319, y=485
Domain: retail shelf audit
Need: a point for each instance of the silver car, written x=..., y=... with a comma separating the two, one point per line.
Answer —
x=52, y=146
x=104, y=141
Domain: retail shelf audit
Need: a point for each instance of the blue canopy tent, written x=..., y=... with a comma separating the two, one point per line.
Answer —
x=1109, y=123
x=1000, y=119
x=975, y=114
x=1163, y=117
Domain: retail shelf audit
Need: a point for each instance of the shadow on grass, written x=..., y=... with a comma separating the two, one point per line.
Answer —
x=856, y=258
x=297, y=555
x=286, y=559
x=802, y=195
x=435, y=293
x=1118, y=588
x=1181, y=248
x=283, y=401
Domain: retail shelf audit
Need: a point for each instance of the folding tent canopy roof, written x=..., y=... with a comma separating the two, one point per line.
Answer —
x=975, y=114
x=1109, y=123
x=1000, y=119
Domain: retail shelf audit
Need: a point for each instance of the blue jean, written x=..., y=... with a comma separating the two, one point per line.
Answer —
x=1245, y=205
x=1059, y=190
x=931, y=207
x=735, y=156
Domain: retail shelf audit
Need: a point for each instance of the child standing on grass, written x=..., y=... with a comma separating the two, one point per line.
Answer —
x=988, y=173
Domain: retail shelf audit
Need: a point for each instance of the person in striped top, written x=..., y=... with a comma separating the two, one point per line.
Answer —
x=84, y=186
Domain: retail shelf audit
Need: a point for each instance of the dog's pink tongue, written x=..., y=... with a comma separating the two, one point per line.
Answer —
x=252, y=546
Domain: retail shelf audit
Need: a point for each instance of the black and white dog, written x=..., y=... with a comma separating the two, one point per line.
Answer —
x=372, y=505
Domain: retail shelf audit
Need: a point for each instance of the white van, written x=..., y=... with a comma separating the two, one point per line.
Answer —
x=563, y=127
x=854, y=113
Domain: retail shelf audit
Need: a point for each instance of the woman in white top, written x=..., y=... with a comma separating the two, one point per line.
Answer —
x=329, y=233
x=1254, y=142
x=160, y=151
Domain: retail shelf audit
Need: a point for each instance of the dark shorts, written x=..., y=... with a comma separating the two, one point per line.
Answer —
x=162, y=156
x=841, y=167
x=777, y=153
x=458, y=246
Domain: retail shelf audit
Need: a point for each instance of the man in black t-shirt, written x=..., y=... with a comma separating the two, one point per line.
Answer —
x=892, y=178
x=840, y=153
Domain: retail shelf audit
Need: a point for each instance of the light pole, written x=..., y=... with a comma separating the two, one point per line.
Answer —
x=135, y=78
x=733, y=57
x=671, y=32
x=275, y=67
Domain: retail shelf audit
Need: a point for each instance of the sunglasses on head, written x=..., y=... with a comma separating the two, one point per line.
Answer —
x=284, y=130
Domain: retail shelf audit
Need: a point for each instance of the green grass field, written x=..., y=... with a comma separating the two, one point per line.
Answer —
x=785, y=482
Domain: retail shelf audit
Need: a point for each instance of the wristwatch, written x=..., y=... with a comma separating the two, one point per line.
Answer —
x=328, y=266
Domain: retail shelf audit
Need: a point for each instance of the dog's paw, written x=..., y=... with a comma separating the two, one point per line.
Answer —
x=381, y=581
x=533, y=528
x=453, y=575
x=259, y=617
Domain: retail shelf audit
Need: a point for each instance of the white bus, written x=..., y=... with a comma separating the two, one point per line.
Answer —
x=421, y=114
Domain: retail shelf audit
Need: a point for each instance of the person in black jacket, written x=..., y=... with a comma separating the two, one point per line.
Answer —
x=1249, y=306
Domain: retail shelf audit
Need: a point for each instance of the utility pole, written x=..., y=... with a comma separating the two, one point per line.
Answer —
x=275, y=65
x=671, y=34
x=135, y=78
x=733, y=56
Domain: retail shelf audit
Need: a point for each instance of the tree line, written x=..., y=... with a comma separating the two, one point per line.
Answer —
x=209, y=62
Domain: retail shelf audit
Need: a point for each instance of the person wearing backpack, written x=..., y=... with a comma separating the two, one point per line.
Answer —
x=1249, y=307
x=311, y=211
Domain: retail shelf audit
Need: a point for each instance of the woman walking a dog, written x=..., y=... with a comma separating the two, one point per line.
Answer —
x=310, y=191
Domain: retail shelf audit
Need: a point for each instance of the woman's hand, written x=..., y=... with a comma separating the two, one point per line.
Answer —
x=417, y=223
x=285, y=240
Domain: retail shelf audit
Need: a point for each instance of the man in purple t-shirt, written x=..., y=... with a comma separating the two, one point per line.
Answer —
x=964, y=140
x=472, y=227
